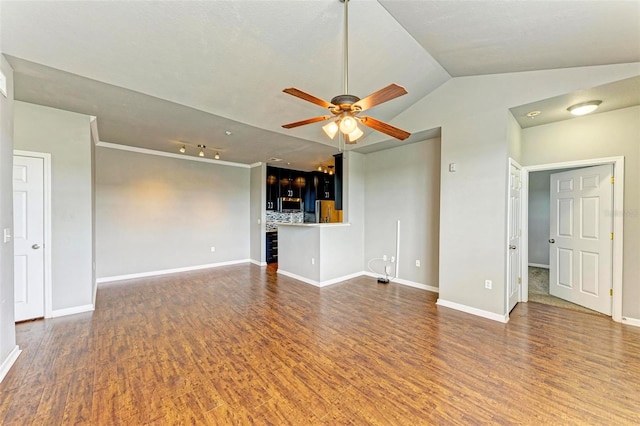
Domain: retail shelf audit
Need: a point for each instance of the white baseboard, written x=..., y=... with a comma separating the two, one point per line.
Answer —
x=168, y=271
x=256, y=262
x=405, y=282
x=539, y=265
x=71, y=311
x=319, y=283
x=473, y=311
x=9, y=361
x=631, y=321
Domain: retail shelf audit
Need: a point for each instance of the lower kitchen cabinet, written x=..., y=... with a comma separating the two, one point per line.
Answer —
x=272, y=247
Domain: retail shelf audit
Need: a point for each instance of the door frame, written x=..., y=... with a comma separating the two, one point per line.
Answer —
x=618, y=222
x=46, y=246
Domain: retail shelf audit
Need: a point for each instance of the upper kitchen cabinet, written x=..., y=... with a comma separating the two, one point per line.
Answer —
x=273, y=188
x=324, y=186
x=292, y=183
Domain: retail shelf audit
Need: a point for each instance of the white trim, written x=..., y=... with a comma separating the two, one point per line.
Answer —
x=47, y=245
x=473, y=311
x=168, y=271
x=93, y=125
x=405, y=282
x=72, y=311
x=259, y=163
x=539, y=265
x=319, y=283
x=256, y=262
x=9, y=361
x=169, y=154
x=631, y=321
x=618, y=221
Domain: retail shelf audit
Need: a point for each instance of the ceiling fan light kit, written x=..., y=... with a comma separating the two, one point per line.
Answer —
x=345, y=108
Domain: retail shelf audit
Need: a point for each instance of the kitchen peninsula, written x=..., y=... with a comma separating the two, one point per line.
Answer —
x=314, y=252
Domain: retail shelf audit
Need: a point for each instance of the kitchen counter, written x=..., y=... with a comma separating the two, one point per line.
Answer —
x=322, y=224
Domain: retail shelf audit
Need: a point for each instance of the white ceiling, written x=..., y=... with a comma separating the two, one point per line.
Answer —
x=157, y=73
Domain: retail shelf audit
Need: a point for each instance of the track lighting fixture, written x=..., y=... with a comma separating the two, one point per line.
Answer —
x=183, y=149
x=217, y=156
x=201, y=153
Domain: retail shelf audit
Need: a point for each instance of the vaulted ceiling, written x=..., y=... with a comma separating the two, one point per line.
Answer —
x=161, y=74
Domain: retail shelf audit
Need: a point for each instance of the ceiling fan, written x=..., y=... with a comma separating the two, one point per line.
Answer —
x=345, y=108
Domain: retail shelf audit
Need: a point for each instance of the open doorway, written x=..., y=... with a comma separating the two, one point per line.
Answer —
x=536, y=231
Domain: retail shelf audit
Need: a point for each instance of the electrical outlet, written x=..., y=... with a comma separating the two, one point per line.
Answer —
x=488, y=284
x=417, y=263
x=213, y=249
x=384, y=257
x=387, y=269
x=393, y=259
x=313, y=260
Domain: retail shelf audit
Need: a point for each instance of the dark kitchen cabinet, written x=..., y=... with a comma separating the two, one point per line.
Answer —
x=272, y=247
x=324, y=187
x=273, y=188
x=292, y=183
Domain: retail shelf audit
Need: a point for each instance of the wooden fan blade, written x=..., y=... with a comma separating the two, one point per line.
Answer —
x=385, y=128
x=307, y=121
x=307, y=97
x=392, y=91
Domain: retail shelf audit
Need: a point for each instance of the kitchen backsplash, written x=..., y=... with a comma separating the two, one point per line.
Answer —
x=273, y=218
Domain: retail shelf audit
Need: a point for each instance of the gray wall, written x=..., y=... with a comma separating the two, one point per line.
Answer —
x=539, y=193
x=7, y=318
x=473, y=113
x=609, y=134
x=66, y=136
x=403, y=183
x=156, y=213
x=258, y=203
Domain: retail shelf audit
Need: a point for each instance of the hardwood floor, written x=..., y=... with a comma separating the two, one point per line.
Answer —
x=240, y=345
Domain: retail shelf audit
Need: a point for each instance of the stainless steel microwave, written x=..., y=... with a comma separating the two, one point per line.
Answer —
x=290, y=205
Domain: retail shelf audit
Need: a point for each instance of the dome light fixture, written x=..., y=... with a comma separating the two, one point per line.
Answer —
x=584, y=107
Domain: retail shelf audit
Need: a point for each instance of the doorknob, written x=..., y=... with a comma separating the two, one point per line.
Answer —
x=551, y=240
x=35, y=246
x=512, y=247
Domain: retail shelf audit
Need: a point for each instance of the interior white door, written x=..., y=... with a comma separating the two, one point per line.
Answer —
x=28, y=232
x=580, y=246
x=515, y=231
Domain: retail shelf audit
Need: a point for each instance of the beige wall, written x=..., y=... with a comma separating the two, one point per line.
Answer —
x=67, y=137
x=155, y=213
x=609, y=134
x=403, y=183
x=476, y=127
x=7, y=319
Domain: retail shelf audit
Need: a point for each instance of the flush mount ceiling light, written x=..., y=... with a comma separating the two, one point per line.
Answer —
x=227, y=132
x=345, y=108
x=584, y=107
x=533, y=114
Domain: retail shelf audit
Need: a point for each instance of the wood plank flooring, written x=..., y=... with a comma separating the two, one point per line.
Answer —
x=240, y=345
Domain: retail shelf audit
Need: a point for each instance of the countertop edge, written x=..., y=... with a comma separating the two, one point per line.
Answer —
x=320, y=225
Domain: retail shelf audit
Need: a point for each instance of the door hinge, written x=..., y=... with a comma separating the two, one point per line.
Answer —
x=519, y=280
x=612, y=235
x=613, y=180
x=610, y=292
